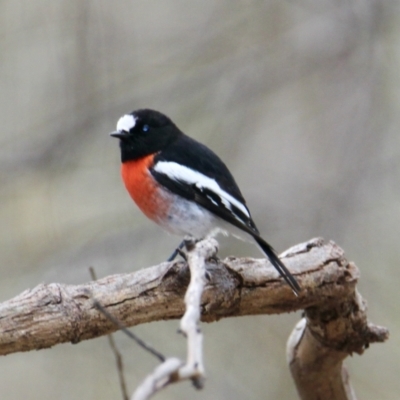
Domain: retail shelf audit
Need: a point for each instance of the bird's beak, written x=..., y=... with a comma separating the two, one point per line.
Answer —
x=119, y=134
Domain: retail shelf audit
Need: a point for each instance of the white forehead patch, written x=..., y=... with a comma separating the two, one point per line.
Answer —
x=126, y=123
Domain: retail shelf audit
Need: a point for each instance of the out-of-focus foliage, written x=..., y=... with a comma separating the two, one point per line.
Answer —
x=299, y=98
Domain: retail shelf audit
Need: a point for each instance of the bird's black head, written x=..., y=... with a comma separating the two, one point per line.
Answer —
x=144, y=132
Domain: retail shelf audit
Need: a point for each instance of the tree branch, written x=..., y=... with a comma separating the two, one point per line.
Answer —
x=173, y=370
x=55, y=313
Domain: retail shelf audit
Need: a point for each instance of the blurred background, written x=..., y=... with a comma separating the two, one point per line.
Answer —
x=301, y=99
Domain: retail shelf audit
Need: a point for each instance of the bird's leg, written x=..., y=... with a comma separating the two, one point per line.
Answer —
x=182, y=254
x=177, y=251
x=188, y=242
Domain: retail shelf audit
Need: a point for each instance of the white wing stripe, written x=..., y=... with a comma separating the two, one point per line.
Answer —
x=179, y=172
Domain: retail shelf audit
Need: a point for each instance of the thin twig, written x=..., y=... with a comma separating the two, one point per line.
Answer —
x=120, y=366
x=173, y=370
x=124, y=329
x=117, y=354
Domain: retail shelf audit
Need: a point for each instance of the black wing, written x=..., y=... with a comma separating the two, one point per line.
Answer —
x=198, y=157
x=228, y=212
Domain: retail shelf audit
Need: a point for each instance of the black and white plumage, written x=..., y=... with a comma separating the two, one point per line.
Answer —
x=190, y=185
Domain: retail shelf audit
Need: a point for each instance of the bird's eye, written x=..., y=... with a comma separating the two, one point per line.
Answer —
x=145, y=128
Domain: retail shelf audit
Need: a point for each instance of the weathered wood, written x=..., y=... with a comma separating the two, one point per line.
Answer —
x=55, y=313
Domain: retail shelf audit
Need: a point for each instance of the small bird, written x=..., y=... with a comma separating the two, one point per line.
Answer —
x=182, y=185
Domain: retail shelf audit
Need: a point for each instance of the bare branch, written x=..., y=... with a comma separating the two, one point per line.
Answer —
x=173, y=370
x=322, y=340
x=316, y=369
x=161, y=377
x=55, y=313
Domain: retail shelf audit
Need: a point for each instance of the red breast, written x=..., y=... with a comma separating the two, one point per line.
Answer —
x=143, y=189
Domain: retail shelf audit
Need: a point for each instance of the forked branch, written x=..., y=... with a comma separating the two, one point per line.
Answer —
x=335, y=314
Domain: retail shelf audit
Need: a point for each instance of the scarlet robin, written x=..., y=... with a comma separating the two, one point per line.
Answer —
x=182, y=185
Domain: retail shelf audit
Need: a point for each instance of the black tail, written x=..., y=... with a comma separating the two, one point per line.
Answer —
x=278, y=264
